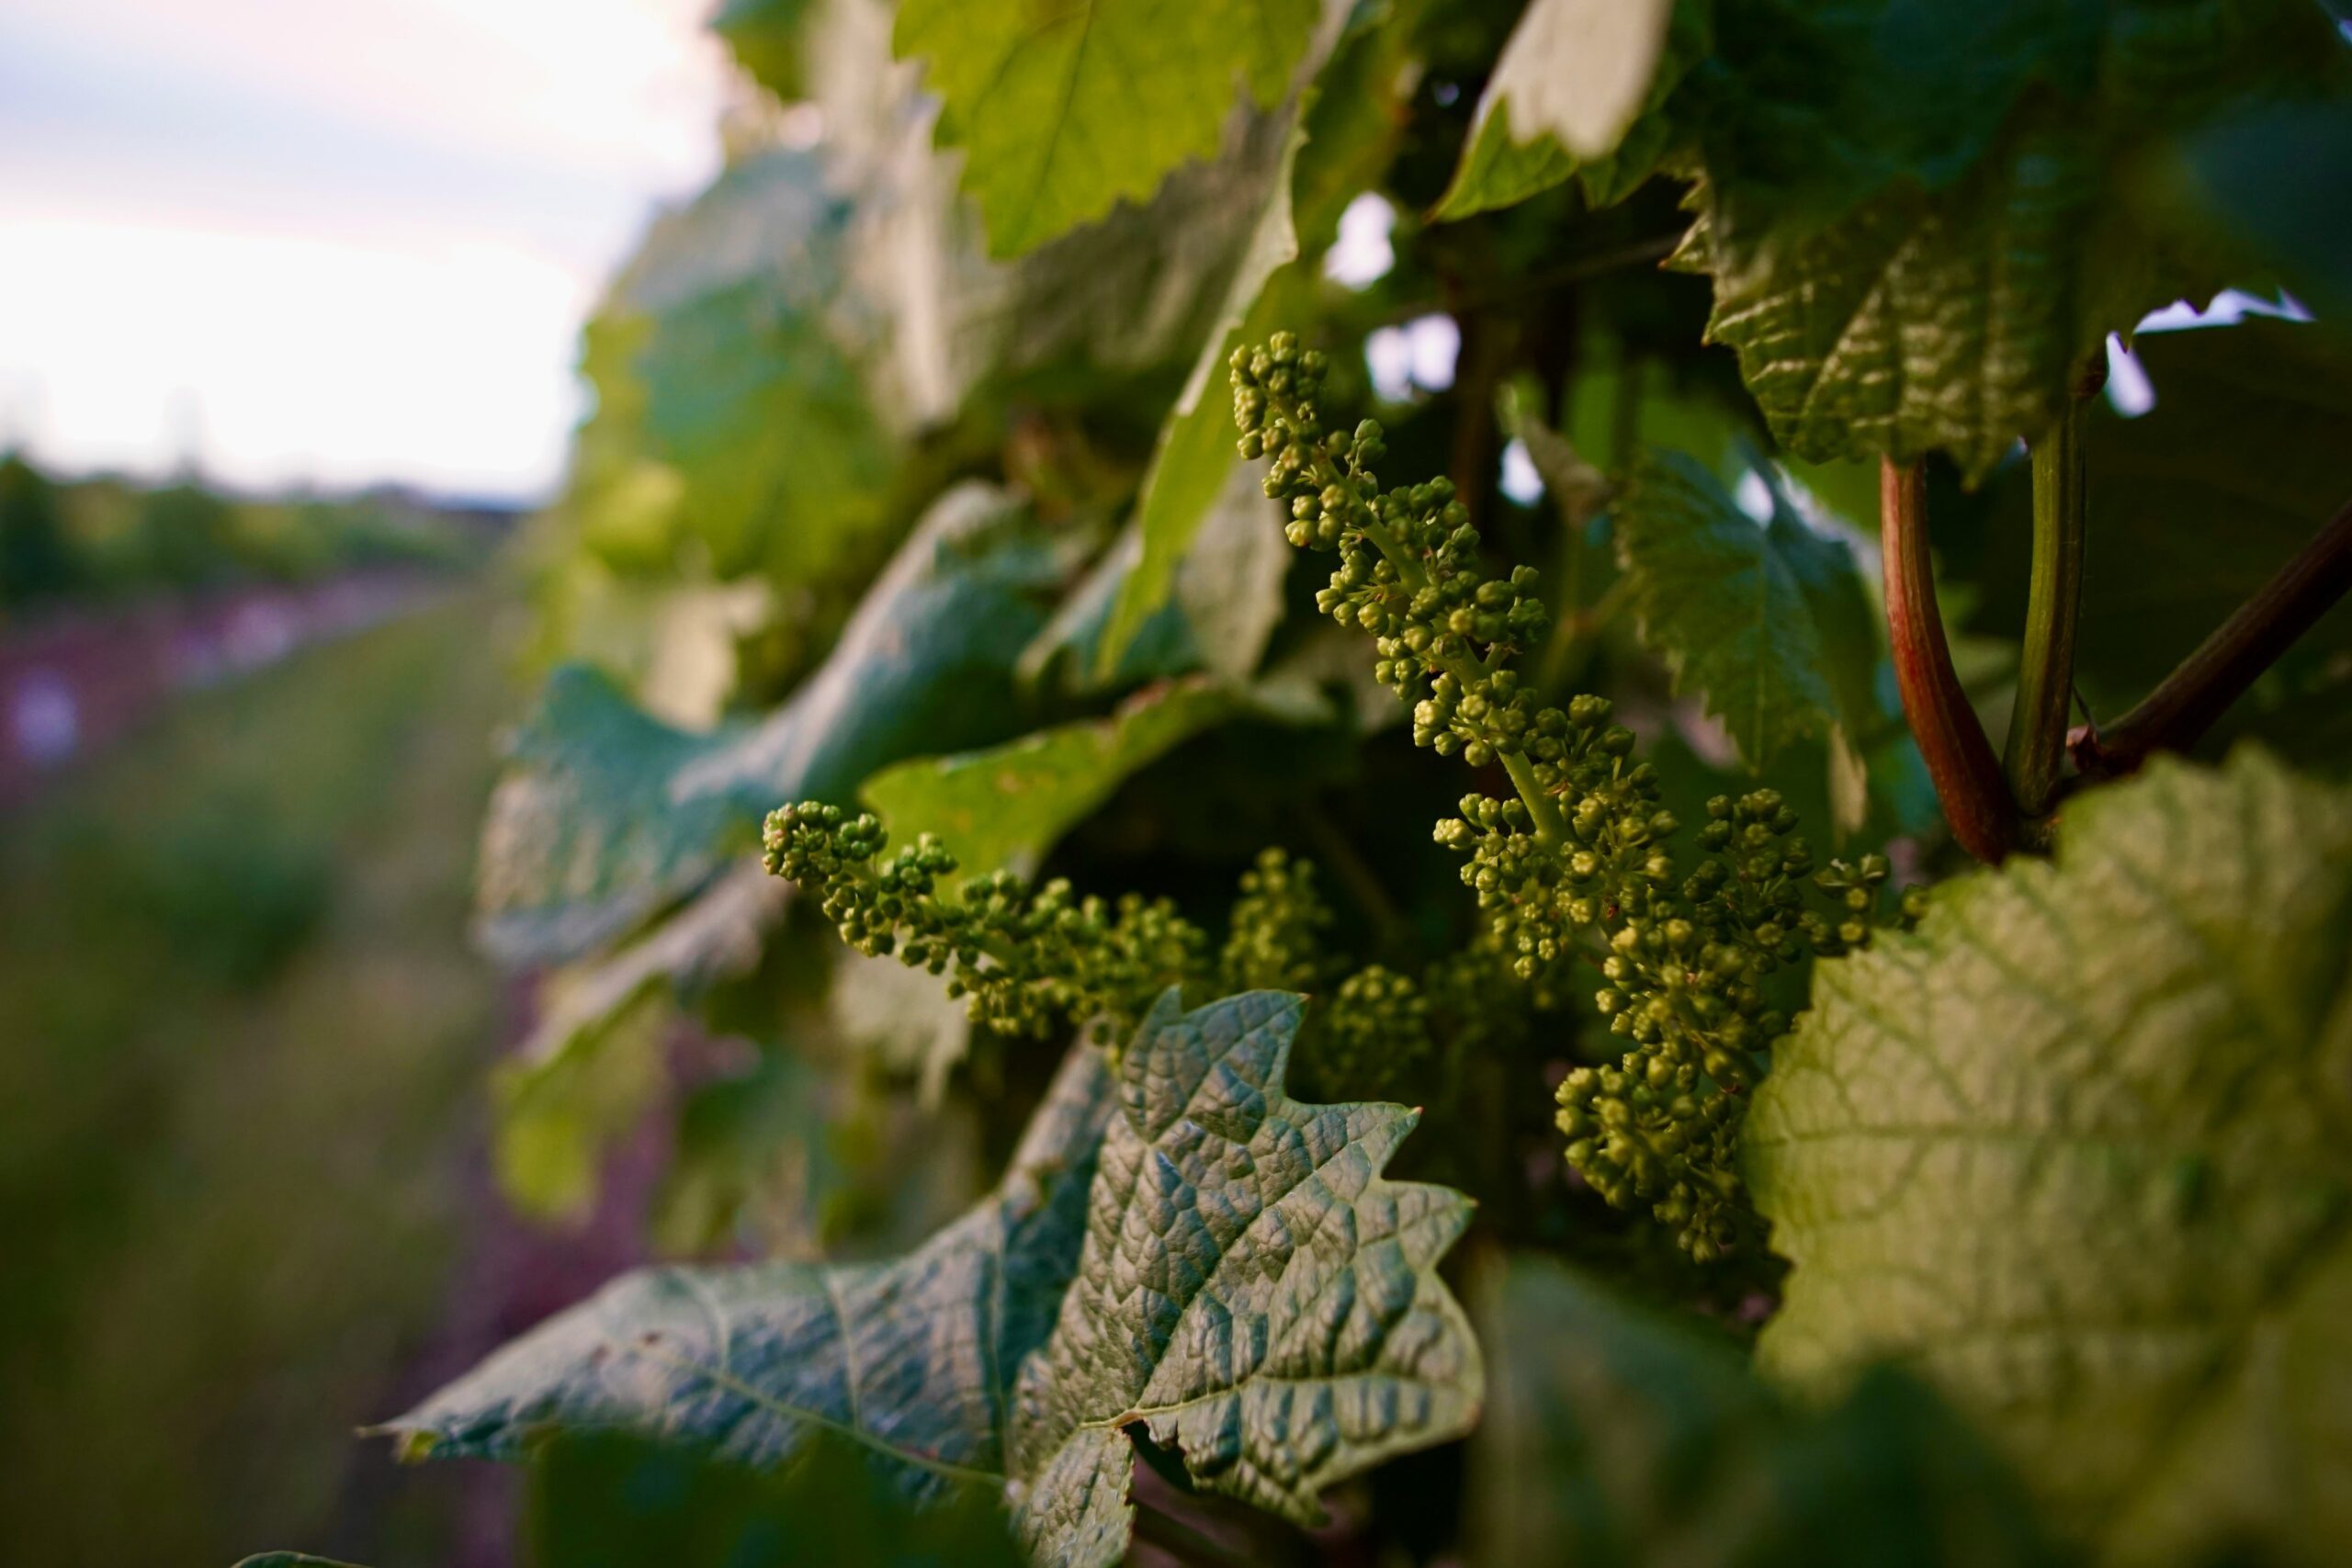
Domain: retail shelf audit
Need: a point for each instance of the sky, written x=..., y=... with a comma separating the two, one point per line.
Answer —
x=330, y=243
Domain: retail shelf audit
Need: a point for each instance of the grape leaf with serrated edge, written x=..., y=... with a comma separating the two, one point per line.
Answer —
x=1064, y=111
x=1768, y=620
x=914, y=1359
x=1252, y=1290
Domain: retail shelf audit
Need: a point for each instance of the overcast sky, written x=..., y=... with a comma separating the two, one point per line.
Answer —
x=327, y=241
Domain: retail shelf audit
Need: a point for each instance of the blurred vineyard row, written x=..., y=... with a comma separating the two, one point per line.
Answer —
x=84, y=541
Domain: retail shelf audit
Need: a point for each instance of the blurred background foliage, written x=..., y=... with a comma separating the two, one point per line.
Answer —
x=85, y=542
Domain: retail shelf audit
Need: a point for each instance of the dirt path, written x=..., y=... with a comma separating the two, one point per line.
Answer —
x=74, y=681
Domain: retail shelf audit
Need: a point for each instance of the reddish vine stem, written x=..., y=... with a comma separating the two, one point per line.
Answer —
x=1182, y=1541
x=1960, y=758
x=2185, y=705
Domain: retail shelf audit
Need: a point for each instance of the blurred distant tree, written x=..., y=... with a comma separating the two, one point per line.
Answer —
x=36, y=558
x=186, y=530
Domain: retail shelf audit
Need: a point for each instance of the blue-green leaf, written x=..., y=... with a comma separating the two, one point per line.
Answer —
x=913, y=1360
x=607, y=816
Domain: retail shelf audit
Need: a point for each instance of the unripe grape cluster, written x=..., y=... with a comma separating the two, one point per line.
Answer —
x=1578, y=860
x=1028, y=960
x=1409, y=570
x=1277, y=936
x=1373, y=1040
x=1032, y=961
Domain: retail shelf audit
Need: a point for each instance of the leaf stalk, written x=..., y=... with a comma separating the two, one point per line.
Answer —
x=2187, y=701
x=2035, y=752
x=1967, y=776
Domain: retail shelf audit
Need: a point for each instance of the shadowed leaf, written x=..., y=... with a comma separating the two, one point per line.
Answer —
x=2096, y=1190
x=1613, y=1437
x=1768, y=620
x=607, y=815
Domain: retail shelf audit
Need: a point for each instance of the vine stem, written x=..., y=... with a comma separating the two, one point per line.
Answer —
x=2035, y=751
x=2187, y=701
x=1181, y=1540
x=1960, y=760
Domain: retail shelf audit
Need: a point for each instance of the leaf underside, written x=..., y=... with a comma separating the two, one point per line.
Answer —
x=912, y=1359
x=2099, y=1189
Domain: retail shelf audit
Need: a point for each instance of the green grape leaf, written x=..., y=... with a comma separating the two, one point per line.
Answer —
x=607, y=815
x=729, y=404
x=1229, y=584
x=619, y=1500
x=1139, y=288
x=912, y=1359
x=2080, y=1150
x=936, y=321
x=2269, y=177
x=1227, y=598
x=1195, y=460
x=753, y=1158
x=557, y=1115
x=1252, y=1291
x=1064, y=111
x=1922, y=222
x=765, y=38
x=1346, y=134
x=1769, y=621
x=1916, y=322
x=1566, y=95
x=589, y=1069
x=1003, y=807
x=1067, y=658
x=783, y=462
x=1613, y=1436
x=2194, y=505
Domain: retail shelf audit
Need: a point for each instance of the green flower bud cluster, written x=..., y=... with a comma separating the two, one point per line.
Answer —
x=1029, y=960
x=1579, y=861
x=1685, y=972
x=1858, y=889
x=1409, y=570
x=1278, y=935
x=1373, y=1040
